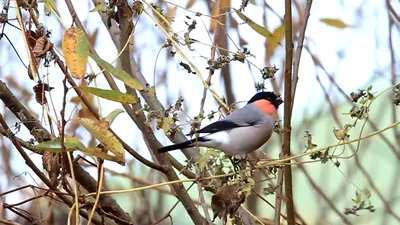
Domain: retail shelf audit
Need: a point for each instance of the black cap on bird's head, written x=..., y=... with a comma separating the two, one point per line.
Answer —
x=267, y=95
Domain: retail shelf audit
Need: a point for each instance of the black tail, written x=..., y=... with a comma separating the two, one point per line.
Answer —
x=185, y=144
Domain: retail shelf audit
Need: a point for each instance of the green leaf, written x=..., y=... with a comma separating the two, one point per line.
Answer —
x=99, y=129
x=112, y=95
x=258, y=28
x=335, y=23
x=110, y=117
x=120, y=74
x=70, y=144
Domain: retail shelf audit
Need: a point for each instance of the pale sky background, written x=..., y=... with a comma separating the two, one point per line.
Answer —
x=363, y=52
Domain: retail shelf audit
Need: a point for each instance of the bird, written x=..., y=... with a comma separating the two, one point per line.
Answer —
x=241, y=132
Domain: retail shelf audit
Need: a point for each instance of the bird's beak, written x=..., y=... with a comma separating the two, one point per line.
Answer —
x=280, y=101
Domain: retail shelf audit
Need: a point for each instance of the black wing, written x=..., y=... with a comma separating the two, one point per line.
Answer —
x=244, y=118
x=219, y=126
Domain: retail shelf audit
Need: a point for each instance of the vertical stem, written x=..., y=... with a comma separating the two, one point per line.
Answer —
x=278, y=198
x=287, y=111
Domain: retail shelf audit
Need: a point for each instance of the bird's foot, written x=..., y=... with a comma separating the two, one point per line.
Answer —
x=238, y=164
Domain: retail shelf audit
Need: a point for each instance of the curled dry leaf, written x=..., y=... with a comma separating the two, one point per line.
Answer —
x=51, y=164
x=227, y=201
x=42, y=46
x=342, y=134
x=39, y=90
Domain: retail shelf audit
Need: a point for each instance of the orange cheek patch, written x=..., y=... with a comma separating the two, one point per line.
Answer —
x=266, y=107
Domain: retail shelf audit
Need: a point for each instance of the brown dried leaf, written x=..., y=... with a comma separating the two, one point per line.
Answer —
x=42, y=46
x=227, y=201
x=52, y=166
x=39, y=90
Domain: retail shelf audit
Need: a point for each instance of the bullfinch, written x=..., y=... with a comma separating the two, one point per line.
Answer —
x=241, y=132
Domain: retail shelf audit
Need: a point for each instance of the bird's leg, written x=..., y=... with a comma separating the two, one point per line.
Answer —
x=237, y=163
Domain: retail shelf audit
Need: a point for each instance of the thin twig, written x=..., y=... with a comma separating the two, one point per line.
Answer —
x=113, y=85
x=392, y=11
x=168, y=214
x=64, y=150
x=23, y=33
x=297, y=56
x=36, y=170
x=278, y=198
x=99, y=186
x=202, y=103
x=318, y=189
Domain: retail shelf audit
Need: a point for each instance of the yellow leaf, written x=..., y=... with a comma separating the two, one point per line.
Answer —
x=99, y=7
x=120, y=74
x=258, y=28
x=76, y=51
x=99, y=129
x=335, y=23
x=112, y=95
x=50, y=6
x=167, y=123
x=272, y=44
x=97, y=153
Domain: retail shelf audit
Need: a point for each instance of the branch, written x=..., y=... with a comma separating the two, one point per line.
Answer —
x=140, y=118
x=297, y=57
x=36, y=170
x=113, y=86
x=391, y=9
x=323, y=195
x=288, y=111
x=41, y=134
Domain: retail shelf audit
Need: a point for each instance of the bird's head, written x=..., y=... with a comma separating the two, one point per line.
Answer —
x=267, y=101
